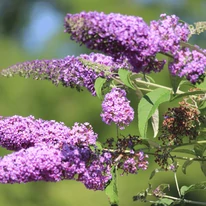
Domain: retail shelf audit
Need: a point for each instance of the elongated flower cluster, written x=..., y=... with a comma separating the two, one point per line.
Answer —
x=167, y=33
x=70, y=71
x=50, y=151
x=116, y=108
x=120, y=36
x=190, y=64
x=129, y=37
x=18, y=132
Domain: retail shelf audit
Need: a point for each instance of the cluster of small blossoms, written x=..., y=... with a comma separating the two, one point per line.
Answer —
x=119, y=36
x=125, y=156
x=116, y=108
x=167, y=33
x=129, y=37
x=50, y=151
x=180, y=122
x=70, y=71
x=190, y=64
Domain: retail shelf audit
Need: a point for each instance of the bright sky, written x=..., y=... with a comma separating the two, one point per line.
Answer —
x=45, y=22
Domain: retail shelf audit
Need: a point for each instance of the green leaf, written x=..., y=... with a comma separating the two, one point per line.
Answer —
x=175, y=82
x=155, y=122
x=99, y=145
x=202, y=85
x=125, y=75
x=199, y=186
x=111, y=189
x=203, y=167
x=99, y=83
x=154, y=172
x=185, y=165
x=163, y=202
x=185, y=151
x=199, y=149
x=187, y=94
x=148, y=105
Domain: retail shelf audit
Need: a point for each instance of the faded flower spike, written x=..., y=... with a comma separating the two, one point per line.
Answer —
x=74, y=72
x=116, y=108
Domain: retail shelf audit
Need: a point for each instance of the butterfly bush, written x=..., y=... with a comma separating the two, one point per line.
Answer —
x=51, y=151
x=190, y=64
x=69, y=71
x=46, y=150
x=116, y=108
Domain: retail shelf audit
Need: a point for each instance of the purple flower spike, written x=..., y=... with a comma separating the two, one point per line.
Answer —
x=70, y=71
x=82, y=134
x=119, y=36
x=18, y=132
x=190, y=64
x=33, y=164
x=116, y=108
x=167, y=33
x=133, y=164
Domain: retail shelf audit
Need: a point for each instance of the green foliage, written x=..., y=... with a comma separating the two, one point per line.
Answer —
x=186, y=189
x=148, y=105
x=125, y=75
x=99, y=83
x=111, y=189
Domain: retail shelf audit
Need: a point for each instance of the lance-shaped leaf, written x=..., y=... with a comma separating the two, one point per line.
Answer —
x=184, y=151
x=185, y=165
x=99, y=83
x=155, y=122
x=199, y=186
x=203, y=167
x=199, y=149
x=111, y=189
x=148, y=105
x=125, y=75
x=175, y=80
x=155, y=171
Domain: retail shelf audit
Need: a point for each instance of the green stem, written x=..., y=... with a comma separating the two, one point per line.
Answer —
x=177, y=185
x=185, y=200
x=156, y=85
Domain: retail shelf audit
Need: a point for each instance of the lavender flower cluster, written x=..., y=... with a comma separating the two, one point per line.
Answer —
x=129, y=37
x=70, y=71
x=50, y=151
x=116, y=108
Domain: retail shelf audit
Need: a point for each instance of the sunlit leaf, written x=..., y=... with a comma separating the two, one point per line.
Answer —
x=188, y=94
x=111, y=189
x=154, y=172
x=199, y=149
x=199, y=186
x=185, y=151
x=155, y=122
x=203, y=167
x=124, y=75
x=185, y=165
x=148, y=105
x=99, y=83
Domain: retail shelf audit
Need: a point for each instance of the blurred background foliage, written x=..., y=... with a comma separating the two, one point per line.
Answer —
x=33, y=29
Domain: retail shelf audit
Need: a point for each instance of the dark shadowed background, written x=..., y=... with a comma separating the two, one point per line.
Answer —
x=32, y=29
